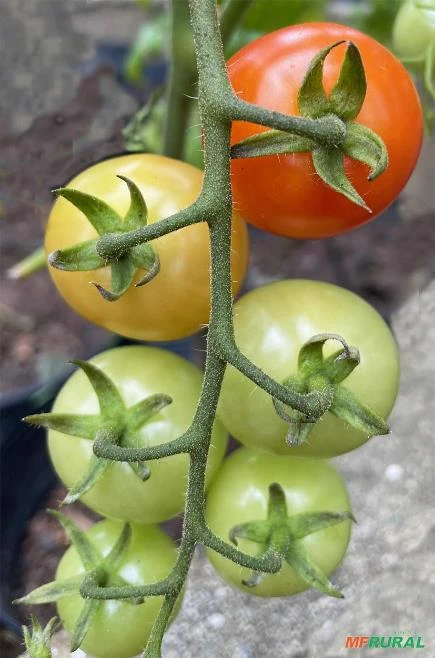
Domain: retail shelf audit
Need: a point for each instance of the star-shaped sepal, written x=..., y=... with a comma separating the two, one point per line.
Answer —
x=90, y=255
x=284, y=535
x=115, y=424
x=104, y=570
x=317, y=373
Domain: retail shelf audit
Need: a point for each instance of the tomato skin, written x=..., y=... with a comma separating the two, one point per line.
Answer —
x=239, y=494
x=148, y=312
x=138, y=372
x=282, y=194
x=271, y=324
x=119, y=628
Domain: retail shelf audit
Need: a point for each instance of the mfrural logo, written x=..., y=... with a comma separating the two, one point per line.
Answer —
x=384, y=642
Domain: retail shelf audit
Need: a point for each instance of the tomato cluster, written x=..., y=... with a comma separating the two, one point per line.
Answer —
x=268, y=494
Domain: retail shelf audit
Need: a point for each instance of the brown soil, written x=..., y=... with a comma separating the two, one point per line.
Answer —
x=39, y=331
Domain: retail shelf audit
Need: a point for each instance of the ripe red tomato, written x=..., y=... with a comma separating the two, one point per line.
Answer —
x=282, y=193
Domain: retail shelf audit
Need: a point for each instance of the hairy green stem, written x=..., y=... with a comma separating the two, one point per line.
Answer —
x=232, y=13
x=181, y=80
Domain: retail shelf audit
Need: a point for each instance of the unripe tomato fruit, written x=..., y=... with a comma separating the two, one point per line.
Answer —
x=271, y=324
x=176, y=302
x=138, y=372
x=282, y=193
x=239, y=494
x=120, y=629
x=413, y=30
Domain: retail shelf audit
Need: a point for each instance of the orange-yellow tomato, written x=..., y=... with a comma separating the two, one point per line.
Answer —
x=176, y=302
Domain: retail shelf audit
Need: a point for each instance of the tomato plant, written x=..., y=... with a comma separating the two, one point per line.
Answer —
x=138, y=372
x=154, y=415
x=282, y=194
x=119, y=629
x=271, y=324
x=239, y=494
x=148, y=312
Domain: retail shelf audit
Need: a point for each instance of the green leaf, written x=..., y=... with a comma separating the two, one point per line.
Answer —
x=256, y=578
x=83, y=623
x=298, y=558
x=88, y=554
x=302, y=525
x=137, y=214
x=97, y=467
x=78, y=258
x=310, y=357
x=118, y=550
x=329, y=165
x=298, y=426
x=271, y=142
x=102, y=217
x=145, y=257
x=123, y=273
x=364, y=145
x=109, y=398
x=256, y=531
x=143, y=411
x=83, y=426
x=347, y=407
x=312, y=99
x=347, y=96
x=340, y=365
x=151, y=273
x=141, y=469
x=54, y=591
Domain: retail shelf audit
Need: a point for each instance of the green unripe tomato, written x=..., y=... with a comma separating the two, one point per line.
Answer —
x=119, y=629
x=138, y=372
x=271, y=324
x=414, y=28
x=239, y=494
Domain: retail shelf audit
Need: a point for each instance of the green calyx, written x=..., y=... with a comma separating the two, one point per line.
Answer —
x=115, y=424
x=284, y=535
x=316, y=373
x=344, y=103
x=38, y=639
x=103, y=570
x=91, y=254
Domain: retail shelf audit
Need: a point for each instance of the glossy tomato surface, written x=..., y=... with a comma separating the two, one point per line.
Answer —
x=120, y=629
x=282, y=193
x=271, y=324
x=176, y=302
x=138, y=372
x=240, y=494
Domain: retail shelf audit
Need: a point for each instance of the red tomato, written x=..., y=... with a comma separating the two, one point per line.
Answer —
x=282, y=193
